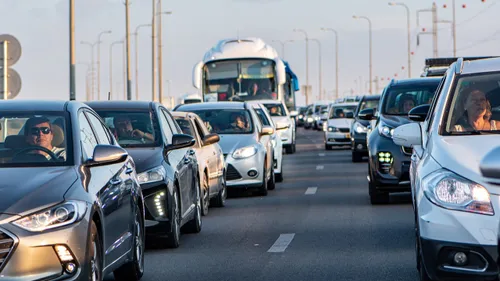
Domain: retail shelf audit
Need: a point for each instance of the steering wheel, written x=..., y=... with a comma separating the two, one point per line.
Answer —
x=53, y=156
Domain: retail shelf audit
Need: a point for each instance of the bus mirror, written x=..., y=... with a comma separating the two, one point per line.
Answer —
x=280, y=72
x=197, y=70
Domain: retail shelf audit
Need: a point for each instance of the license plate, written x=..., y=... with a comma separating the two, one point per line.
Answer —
x=348, y=136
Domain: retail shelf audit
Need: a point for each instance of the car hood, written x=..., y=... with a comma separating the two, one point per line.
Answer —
x=146, y=158
x=462, y=155
x=395, y=121
x=44, y=187
x=340, y=122
x=229, y=143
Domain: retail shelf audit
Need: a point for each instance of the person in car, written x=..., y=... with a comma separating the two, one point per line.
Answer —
x=39, y=132
x=477, y=114
x=239, y=123
x=405, y=104
x=124, y=129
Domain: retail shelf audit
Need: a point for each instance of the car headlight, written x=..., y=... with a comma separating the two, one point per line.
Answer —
x=451, y=191
x=360, y=128
x=316, y=118
x=325, y=126
x=152, y=175
x=60, y=215
x=332, y=129
x=385, y=130
x=301, y=116
x=244, y=152
x=309, y=119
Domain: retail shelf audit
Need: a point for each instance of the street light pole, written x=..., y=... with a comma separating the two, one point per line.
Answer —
x=111, y=65
x=336, y=60
x=307, y=62
x=409, y=32
x=283, y=46
x=160, y=53
x=99, y=62
x=370, y=39
x=137, y=59
x=320, y=74
x=153, y=52
x=92, y=63
x=127, y=39
x=72, y=87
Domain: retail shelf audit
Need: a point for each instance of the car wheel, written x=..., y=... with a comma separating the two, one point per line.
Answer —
x=134, y=270
x=95, y=254
x=288, y=149
x=328, y=147
x=272, y=181
x=263, y=188
x=173, y=237
x=294, y=147
x=376, y=197
x=194, y=225
x=356, y=157
x=423, y=276
x=205, y=202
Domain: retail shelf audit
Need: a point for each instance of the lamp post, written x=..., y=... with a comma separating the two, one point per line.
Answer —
x=153, y=52
x=307, y=62
x=127, y=47
x=160, y=53
x=99, y=62
x=111, y=65
x=136, y=34
x=336, y=60
x=320, y=72
x=72, y=87
x=409, y=32
x=283, y=46
x=92, y=63
x=370, y=39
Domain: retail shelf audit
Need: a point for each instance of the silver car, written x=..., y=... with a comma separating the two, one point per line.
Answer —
x=245, y=142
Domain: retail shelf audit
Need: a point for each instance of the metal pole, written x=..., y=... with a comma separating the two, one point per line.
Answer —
x=5, y=69
x=320, y=70
x=408, y=30
x=111, y=65
x=124, y=72
x=160, y=57
x=153, y=52
x=370, y=47
x=454, y=31
x=129, y=76
x=337, y=94
x=137, y=59
x=434, y=29
x=92, y=64
x=72, y=73
x=99, y=62
x=307, y=63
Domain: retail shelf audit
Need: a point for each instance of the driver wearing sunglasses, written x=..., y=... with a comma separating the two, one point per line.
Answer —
x=38, y=132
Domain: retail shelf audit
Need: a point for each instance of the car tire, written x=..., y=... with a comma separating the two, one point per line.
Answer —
x=263, y=188
x=328, y=147
x=205, y=202
x=133, y=271
x=356, y=157
x=422, y=272
x=173, y=236
x=271, y=185
x=195, y=224
x=289, y=149
x=220, y=199
x=95, y=254
x=376, y=197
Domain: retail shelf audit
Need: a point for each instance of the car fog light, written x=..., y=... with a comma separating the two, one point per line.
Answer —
x=159, y=199
x=64, y=253
x=70, y=268
x=359, y=146
x=252, y=173
x=460, y=258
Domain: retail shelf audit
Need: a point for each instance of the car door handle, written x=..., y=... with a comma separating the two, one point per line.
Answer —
x=129, y=171
x=115, y=181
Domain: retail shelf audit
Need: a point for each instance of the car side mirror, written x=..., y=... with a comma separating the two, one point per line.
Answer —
x=282, y=126
x=490, y=166
x=419, y=113
x=267, y=130
x=180, y=141
x=211, y=139
x=349, y=115
x=294, y=113
x=407, y=135
x=105, y=154
x=366, y=114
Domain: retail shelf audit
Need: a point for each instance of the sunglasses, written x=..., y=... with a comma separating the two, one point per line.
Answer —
x=36, y=130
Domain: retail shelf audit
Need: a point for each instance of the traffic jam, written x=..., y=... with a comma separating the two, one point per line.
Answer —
x=238, y=182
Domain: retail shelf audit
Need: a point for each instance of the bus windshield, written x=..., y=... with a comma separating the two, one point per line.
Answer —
x=239, y=80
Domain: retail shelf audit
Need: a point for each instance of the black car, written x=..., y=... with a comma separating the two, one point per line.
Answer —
x=359, y=127
x=71, y=207
x=388, y=164
x=166, y=165
x=301, y=117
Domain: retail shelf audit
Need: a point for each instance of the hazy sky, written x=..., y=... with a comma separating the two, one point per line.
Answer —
x=195, y=25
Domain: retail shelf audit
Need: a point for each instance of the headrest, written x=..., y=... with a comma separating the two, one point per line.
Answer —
x=58, y=133
x=15, y=142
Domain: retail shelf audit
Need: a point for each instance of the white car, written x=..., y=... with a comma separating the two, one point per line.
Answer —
x=281, y=117
x=456, y=208
x=338, y=124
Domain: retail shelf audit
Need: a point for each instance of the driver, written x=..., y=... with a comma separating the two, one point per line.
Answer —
x=38, y=132
x=124, y=129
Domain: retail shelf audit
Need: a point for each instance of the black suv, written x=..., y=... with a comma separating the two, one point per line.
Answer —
x=388, y=164
x=359, y=127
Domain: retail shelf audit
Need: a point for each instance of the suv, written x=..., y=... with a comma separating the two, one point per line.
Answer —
x=436, y=67
x=359, y=127
x=454, y=174
x=388, y=164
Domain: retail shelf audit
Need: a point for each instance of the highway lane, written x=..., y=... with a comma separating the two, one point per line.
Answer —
x=317, y=225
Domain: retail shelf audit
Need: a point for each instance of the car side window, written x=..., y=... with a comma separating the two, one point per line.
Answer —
x=432, y=111
x=199, y=128
x=165, y=127
x=87, y=137
x=100, y=130
x=171, y=122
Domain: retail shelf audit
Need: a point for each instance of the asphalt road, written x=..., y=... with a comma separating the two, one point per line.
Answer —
x=317, y=225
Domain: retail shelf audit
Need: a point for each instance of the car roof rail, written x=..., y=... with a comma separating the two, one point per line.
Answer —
x=459, y=66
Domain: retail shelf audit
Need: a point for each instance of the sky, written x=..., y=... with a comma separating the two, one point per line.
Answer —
x=42, y=27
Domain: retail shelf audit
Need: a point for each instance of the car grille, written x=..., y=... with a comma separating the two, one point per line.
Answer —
x=6, y=245
x=343, y=130
x=232, y=173
x=407, y=150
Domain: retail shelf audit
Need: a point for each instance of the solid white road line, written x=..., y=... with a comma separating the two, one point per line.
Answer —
x=311, y=190
x=320, y=167
x=321, y=154
x=318, y=146
x=281, y=243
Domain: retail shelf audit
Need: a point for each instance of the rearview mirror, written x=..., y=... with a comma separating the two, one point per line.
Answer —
x=267, y=130
x=349, y=115
x=105, y=154
x=282, y=126
x=490, y=166
x=366, y=114
x=281, y=72
x=419, y=113
x=197, y=74
x=211, y=139
x=180, y=141
x=407, y=135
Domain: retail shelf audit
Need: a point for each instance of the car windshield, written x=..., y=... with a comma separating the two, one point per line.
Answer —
x=276, y=109
x=366, y=104
x=262, y=117
x=475, y=106
x=399, y=100
x=35, y=139
x=226, y=121
x=185, y=125
x=341, y=111
x=132, y=128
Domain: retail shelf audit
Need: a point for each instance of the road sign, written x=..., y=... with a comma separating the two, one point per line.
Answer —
x=14, y=82
x=14, y=49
